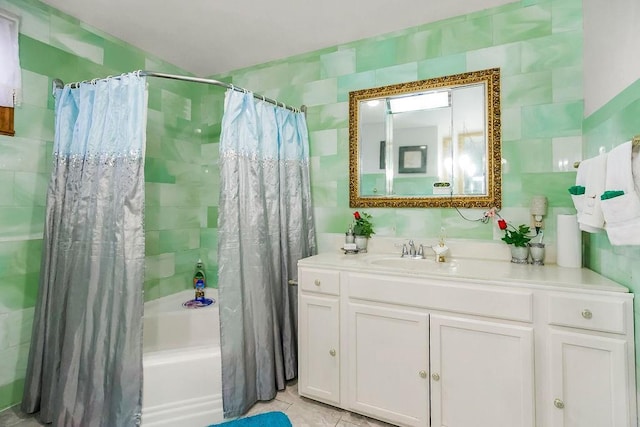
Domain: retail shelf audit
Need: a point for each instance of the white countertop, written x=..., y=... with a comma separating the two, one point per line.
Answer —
x=496, y=272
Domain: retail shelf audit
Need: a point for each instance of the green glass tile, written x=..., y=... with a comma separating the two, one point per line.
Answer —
x=555, y=51
x=6, y=189
x=67, y=35
x=374, y=55
x=320, y=92
x=301, y=71
x=151, y=289
x=442, y=66
x=455, y=228
x=30, y=189
x=179, y=240
x=611, y=108
x=566, y=15
x=328, y=116
x=209, y=238
x=528, y=156
x=567, y=84
x=34, y=122
x=167, y=218
x=353, y=82
x=260, y=79
x=419, y=46
x=175, y=106
x=210, y=180
x=552, y=185
x=18, y=292
x=212, y=217
x=186, y=262
x=397, y=74
x=552, y=120
x=174, y=284
x=323, y=142
x=324, y=193
x=159, y=266
x=511, y=123
x=21, y=222
x=506, y=57
x=120, y=56
x=36, y=89
x=523, y=24
x=20, y=257
x=152, y=242
x=332, y=220
x=416, y=222
x=11, y=393
x=155, y=170
x=468, y=35
x=526, y=89
x=340, y=63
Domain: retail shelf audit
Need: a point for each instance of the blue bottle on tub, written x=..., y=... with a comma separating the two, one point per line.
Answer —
x=199, y=281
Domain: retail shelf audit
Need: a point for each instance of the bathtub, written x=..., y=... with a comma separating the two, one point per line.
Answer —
x=181, y=361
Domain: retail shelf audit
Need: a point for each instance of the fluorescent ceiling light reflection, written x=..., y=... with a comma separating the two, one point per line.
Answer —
x=423, y=101
x=373, y=103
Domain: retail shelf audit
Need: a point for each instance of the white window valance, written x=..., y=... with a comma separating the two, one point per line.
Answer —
x=10, y=77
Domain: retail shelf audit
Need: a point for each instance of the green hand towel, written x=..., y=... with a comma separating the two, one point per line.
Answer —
x=576, y=190
x=611, y=194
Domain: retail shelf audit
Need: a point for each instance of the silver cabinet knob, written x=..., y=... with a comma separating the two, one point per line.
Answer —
x=317, y=282
x=435, y=377
x=586, y=313
x=423, y=374
x=332, y=352
x=558, y=403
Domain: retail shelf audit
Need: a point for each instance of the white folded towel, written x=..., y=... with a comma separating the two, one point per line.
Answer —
x=593, y=171
x=621, y=211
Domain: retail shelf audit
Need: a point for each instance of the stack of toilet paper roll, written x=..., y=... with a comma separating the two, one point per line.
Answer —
x=569, y=242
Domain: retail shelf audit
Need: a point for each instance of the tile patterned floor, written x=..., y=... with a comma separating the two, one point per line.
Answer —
x=301, y=411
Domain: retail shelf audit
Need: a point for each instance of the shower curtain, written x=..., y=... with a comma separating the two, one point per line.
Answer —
x=265, y=226
x=85, y=360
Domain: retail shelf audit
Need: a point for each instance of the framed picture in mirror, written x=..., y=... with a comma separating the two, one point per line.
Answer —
x=412, y=159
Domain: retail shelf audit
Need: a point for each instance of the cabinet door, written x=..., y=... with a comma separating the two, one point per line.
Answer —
x=481, y=374
x=388, y=364
x=319, y=348
x=588, y=381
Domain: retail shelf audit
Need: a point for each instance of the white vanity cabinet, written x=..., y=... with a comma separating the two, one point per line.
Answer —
x=481, y=373
x=590, y=361
x=319, y=335
x=447, y=350
x=388, y=351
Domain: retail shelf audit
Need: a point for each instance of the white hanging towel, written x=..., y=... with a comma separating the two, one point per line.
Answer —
x=591, y=175
x=620, y=202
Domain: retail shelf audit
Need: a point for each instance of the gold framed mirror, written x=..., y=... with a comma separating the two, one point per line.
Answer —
x=429, y=143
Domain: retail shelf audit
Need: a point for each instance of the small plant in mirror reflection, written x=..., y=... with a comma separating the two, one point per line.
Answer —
x=362, y=225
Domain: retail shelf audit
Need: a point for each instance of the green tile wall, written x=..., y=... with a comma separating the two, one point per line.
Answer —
x=607, y=127
x=180, y=182
x=537, y=45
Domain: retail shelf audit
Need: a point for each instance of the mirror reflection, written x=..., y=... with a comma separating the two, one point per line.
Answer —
x=427, y=143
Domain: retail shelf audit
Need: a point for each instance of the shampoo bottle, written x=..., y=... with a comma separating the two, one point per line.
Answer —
x=199, y=281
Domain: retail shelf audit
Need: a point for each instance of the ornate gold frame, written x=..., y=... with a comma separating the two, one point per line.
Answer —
x=491, y=78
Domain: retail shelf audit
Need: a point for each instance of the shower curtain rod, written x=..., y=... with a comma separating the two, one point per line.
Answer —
x=59, y=84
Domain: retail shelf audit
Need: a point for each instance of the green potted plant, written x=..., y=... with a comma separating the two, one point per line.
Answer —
x=363, y=229
x=517, y=239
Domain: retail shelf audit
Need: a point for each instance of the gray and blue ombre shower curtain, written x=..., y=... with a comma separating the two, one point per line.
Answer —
x=85, y=361
x=265, y=226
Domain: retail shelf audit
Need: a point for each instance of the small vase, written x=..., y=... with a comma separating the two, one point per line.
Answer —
x=519, y=254
x=361, y=243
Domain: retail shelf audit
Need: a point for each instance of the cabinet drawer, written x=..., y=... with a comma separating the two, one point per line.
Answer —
x=321, y=281
x=593, y=313
x=499, y=303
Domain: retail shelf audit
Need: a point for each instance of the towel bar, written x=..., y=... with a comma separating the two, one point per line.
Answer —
x=634, y=142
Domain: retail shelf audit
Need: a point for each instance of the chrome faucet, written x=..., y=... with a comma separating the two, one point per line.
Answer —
x=411, y=250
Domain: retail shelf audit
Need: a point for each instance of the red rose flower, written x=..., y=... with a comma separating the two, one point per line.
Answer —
x=502, y=224
x=356, y=215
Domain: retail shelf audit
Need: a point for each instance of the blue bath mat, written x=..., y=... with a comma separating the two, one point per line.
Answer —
x=268, y=419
